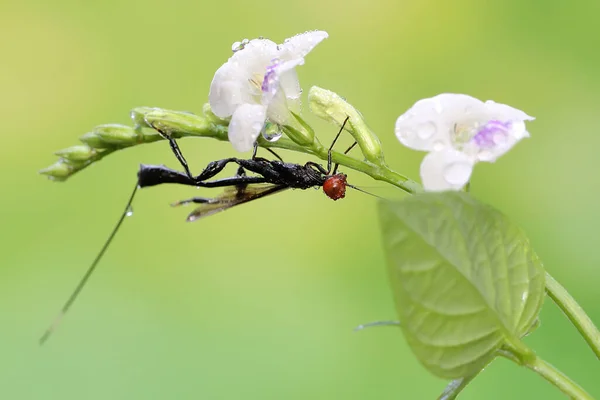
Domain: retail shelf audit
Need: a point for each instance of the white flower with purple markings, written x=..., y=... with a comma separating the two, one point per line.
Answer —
x=458, y=131
x=259, y=84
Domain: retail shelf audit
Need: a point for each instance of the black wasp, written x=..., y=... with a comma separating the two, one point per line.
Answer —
x=272, y=176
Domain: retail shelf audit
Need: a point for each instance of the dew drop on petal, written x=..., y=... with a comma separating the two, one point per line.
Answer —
x=408, y=133
x=485, y=155
x=500, y=139
x=426, y=130
x=437, y=105
x=237, y=46
x=272, y=136
x=438, y=145
x=458, y=173
x=129, y=211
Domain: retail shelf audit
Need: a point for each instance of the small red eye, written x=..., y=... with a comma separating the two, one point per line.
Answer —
x=335, y=186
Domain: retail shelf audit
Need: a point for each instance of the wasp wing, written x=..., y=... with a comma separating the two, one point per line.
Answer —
x=231, y=197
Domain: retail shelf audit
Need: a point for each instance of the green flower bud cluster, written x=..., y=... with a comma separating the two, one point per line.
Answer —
x=102, y=139
x=149, y=125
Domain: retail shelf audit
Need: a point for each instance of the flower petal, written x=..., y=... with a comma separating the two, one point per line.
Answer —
x=429, y=123
x=290, y=84
x=271, y=83
x=255, y=55
x=227, y=91
x=300, y=45
x=496, y=138
x=245, y=126
x=278, y=110
x=506, y=113
x=447, y=169
x=237, y=81
x=500, y=128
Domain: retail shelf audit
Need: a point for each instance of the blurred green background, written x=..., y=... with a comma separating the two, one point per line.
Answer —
x=260, y=302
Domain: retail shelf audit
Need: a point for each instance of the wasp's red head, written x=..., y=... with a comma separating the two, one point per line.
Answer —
x=335, y=186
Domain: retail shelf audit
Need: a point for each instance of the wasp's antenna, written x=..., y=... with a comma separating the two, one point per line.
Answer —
x=329, y=161
x=89, y=271
x=364, y=191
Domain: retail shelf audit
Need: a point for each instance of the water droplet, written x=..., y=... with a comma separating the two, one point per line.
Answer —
x=438, y=145
x=485, y=155
x=458, y=173
x=272, y=135
x=129, y=211
x=408, y=133
x=426, y=130
x=437, y=106
x=500, y=139
x=237, y=46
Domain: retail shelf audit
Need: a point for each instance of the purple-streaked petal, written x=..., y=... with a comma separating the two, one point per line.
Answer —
x=235, y=82
x=274, y=71
x=495, y=138
x=506, y=113
x=500, y=128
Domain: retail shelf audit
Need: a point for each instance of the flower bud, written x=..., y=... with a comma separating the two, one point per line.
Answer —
x=138, y=116
x=94, y=141
x=77, y=153
x=331, y=107
x=175, y=123
x=121, y=135
x=59, y=171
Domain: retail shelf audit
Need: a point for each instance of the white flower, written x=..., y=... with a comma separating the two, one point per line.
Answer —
x=259, y=83
x=458, y=131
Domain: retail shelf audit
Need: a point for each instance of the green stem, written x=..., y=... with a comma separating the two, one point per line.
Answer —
x=574, y=312
x=558, y=379
x=549, y=373
x=181, y=125
x=380, y=172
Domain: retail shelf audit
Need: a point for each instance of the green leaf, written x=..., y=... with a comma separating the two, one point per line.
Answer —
x=465, y=280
